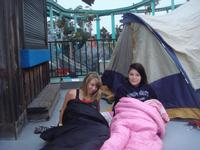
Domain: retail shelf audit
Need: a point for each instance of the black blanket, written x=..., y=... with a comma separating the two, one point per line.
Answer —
x=84, y=128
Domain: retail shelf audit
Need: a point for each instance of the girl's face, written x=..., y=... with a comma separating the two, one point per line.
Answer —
x=92, y=86
x=134, y=77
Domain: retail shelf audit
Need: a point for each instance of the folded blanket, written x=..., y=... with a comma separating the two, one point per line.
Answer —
x=136, y=126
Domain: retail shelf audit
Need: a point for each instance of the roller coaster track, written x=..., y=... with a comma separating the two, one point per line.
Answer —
x=84, y=13
x=66, y=12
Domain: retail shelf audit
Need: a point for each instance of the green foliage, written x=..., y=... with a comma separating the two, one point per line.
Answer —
x=81, y=37
x=68, y=30
x=104, y=33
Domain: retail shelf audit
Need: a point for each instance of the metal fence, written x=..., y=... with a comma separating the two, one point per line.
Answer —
x=77, y=58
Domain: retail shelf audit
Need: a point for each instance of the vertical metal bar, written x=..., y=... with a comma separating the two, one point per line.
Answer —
x=153, y=7
x=57, y=72
x=172, y=5
x=51, y=19
x=91, y=69
x=98, y=56
x=113, y=26
x=80, y=61
x=86, y=59
x=51, y=59
x=74, y=55
x=75, y=22
x=109, y=48
x=68, y=56
x=98, y=27
x=62, y=56
x=104, y=59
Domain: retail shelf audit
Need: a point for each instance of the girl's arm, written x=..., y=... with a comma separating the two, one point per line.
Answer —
x=69, y=96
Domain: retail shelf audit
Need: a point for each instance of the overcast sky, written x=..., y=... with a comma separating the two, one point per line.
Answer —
x=110, y=4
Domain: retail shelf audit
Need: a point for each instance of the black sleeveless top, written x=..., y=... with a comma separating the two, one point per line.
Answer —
x=75, y=107
x=93, y=104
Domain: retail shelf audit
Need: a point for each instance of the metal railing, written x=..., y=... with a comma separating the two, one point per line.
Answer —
x=75, y=58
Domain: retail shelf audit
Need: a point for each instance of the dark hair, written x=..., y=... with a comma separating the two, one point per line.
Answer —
x=139, y=67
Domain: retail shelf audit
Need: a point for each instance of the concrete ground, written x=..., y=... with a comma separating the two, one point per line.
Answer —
x=179, y=136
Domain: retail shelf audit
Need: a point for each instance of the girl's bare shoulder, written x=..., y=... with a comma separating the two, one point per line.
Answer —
x=71, y=94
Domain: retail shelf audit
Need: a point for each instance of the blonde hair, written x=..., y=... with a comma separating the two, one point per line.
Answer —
x=90, y=76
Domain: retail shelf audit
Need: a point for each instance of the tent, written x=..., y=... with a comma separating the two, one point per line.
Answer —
x=168, y=47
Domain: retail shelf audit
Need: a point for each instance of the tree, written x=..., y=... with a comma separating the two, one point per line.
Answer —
x=104, y=32
x=148, y=7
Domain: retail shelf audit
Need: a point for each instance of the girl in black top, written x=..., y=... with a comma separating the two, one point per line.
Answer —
x=136, y=85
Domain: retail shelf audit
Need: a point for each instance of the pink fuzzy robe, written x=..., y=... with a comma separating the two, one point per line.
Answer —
x=137, y=125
